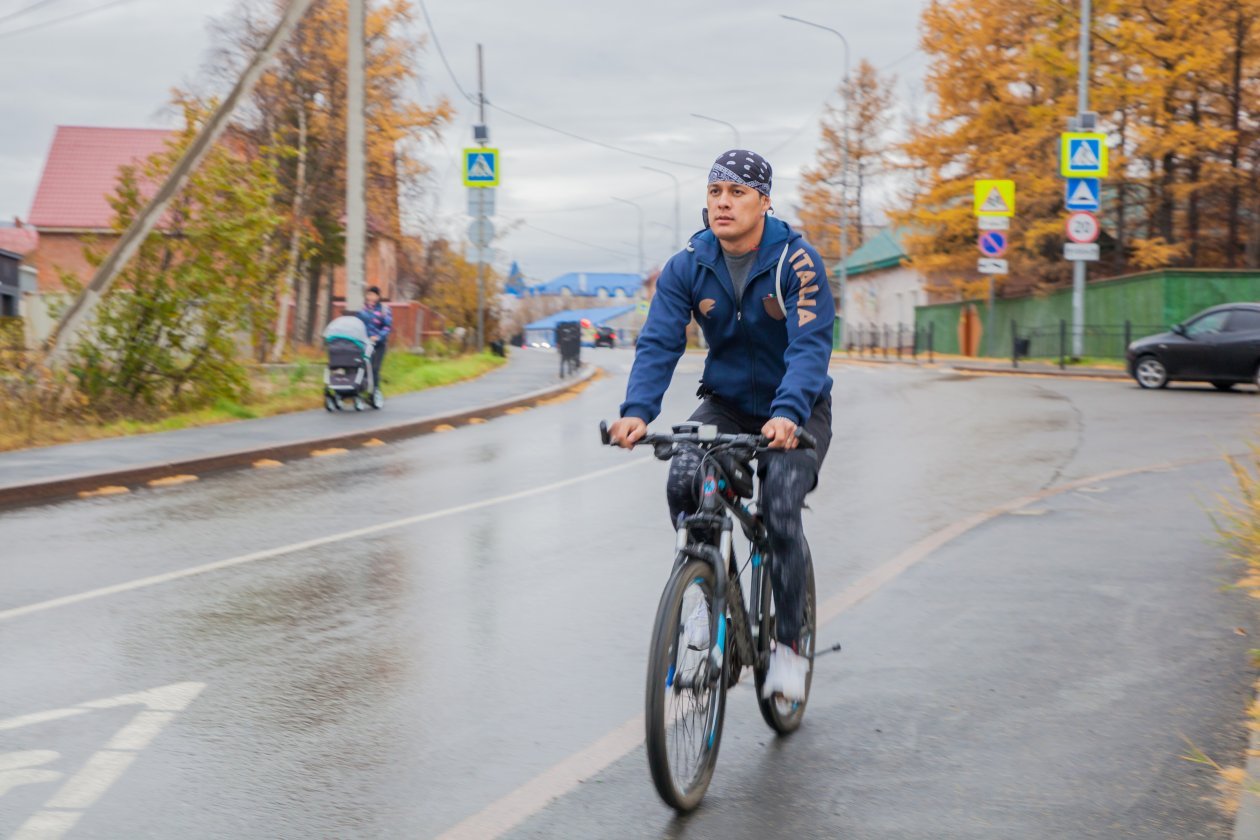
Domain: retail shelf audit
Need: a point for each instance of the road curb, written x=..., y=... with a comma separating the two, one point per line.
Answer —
x=963, y=367
x=66, y=486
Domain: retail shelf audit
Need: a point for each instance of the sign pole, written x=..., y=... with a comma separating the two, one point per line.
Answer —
x=356, y=157
x=1078, y=266
x=481, y=251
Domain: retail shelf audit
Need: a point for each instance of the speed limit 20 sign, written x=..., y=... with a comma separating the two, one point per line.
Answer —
x=1082, y=227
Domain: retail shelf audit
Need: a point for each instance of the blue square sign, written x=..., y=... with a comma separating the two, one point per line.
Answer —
x=1083, y=194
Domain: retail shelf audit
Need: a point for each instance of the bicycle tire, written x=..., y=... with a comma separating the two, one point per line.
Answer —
x=663, y=685
x=784, y=717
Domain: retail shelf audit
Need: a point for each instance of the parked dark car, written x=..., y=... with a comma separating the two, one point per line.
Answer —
x=1220, y=345
x=605, y=337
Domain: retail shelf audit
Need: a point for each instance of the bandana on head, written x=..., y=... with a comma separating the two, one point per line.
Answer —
x=741, y=166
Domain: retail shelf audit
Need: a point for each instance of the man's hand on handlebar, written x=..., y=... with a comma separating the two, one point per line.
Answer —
x=627, y=431
x=780, y=432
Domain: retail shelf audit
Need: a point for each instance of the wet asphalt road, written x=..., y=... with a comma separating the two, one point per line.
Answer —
x=1038, y=675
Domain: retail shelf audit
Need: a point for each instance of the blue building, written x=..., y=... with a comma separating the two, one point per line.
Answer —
x=604, y=284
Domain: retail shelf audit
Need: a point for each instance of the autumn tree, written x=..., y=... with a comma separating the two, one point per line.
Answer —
x=1175, y=84
x=450, y=286
x=870, y=99
x=297, y=115
x=167, y=333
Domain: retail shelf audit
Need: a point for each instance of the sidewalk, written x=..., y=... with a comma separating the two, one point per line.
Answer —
x=31, y=475
x=968, y=364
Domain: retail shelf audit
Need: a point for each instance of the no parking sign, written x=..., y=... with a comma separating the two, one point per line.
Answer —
x=993, y=243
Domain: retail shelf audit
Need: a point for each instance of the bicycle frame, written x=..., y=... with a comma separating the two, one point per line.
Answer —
x=720, y=511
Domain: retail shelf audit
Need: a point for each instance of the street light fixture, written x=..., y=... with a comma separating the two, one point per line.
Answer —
x=844, y=176
x=733, y=129
x=677, y=188
x=638, y=207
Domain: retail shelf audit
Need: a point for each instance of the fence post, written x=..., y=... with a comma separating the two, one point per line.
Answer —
x=899, y=329
x=932, y=343
x=1062, y=344
x=1128, y=337
x=884, y=329
x=1014, y=344
x=914, y=346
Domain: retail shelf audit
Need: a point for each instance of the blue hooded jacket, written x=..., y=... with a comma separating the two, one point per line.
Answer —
x=759, y=362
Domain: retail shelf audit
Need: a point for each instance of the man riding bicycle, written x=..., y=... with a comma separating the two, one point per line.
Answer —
x=759, y=292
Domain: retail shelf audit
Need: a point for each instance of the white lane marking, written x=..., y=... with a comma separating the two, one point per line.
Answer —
x=47, y=825
x=105, y=766
x=38, y=717
x=81, y=790
x=509, y=811
x=154, y=580
x=140, y=732
x=505, y=813
x=16, y=769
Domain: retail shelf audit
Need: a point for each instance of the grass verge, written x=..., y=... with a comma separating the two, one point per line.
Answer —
x=1238, y=523
x=296, y=388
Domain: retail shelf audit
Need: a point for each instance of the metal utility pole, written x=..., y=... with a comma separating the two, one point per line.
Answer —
x=1082, y=108
x=481, y=250
x=356, y=158
x=677, y=190
x=844, y=180
x=80, y=312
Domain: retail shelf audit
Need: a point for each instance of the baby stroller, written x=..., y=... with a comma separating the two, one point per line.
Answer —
x=349, y=373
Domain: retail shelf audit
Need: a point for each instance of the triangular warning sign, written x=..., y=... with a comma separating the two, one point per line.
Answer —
x=1083, y=157
x=995, y=203
x=1083, y=194
x=480, y=168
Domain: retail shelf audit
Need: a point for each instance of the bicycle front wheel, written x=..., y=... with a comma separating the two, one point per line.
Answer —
x=686, y=695
x=784, y=716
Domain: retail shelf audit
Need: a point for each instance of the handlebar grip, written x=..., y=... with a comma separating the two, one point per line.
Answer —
x=604, y=437
x=807, y=441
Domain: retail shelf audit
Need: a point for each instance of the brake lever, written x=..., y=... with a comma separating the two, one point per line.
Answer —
x=663, y=450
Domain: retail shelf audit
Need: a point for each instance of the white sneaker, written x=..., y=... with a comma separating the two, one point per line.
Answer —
x=695, y=630
x=786, y=674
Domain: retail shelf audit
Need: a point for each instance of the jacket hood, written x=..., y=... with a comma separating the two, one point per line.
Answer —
x=708, y=250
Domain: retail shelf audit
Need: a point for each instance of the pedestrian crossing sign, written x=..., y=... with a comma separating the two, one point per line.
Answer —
x=1083, y=155
x=995, y=198
x=481, y=167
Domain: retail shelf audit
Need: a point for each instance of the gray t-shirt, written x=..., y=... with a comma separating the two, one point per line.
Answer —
x=739, y=268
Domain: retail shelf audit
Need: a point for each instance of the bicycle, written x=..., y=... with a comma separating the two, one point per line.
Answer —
x=686, y=685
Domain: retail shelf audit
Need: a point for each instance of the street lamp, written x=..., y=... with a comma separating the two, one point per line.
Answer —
x=636, y=206
x=733, y=129
x=677, y=227
x=844, y=177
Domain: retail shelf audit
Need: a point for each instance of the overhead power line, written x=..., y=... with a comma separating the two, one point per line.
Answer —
x=579, y=241
x=30, y=8
x=63, y=18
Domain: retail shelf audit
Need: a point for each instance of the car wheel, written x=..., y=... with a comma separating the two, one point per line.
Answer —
x=1223, y=386
x=1150, y=372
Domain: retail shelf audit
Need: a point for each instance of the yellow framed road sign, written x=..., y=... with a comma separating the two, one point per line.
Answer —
x=1082, y=154
x=481, y=167
x=995, y=198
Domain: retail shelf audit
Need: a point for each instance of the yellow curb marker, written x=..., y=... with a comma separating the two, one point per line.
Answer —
x=374, y=442
x=445, y=427
x=518, y=409
x=267, y=463
x=109, y=490
x=172, y=480
x=334, y=450
x=476, y=421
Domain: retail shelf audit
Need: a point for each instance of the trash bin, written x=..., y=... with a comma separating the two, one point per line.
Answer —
x=1022, y=347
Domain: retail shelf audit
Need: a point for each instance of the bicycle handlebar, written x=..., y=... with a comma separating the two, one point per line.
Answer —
x=806, y=440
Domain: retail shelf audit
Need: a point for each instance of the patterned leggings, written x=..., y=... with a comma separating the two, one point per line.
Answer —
x=786, y=478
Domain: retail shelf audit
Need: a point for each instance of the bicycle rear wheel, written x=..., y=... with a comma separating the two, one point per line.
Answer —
x=686, y=697
x=784, y=716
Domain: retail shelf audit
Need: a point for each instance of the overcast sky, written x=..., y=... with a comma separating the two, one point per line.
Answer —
x=628, y=74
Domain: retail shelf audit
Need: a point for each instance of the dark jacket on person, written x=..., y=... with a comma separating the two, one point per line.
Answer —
x=377, y=320
x=760, y=362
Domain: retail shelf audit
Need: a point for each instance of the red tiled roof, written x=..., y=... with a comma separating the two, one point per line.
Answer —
x=82, y=171
x=18, y=240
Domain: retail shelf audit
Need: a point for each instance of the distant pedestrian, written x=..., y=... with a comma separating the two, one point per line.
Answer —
x=375, y=316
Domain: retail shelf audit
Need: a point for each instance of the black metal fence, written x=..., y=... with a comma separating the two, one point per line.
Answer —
x=890, y=342
x=1054, y=343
